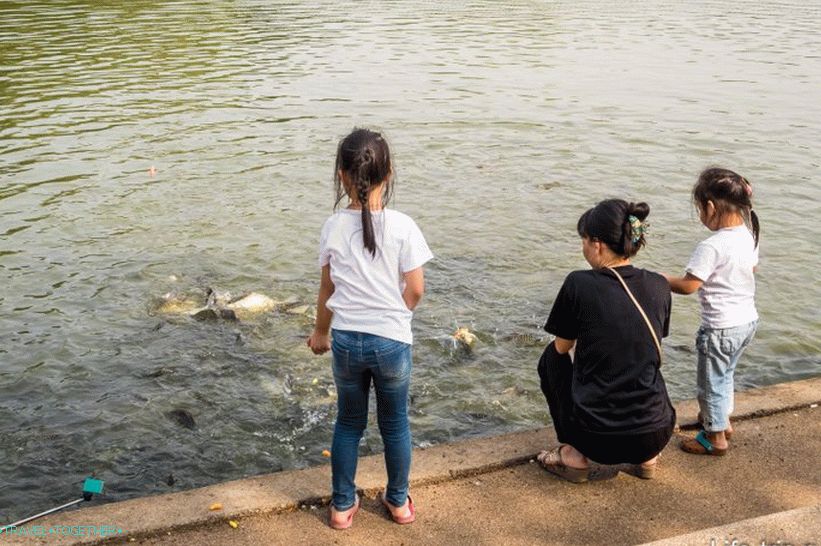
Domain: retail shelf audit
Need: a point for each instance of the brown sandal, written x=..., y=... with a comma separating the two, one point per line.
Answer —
x=701, y=445
x=553, y=463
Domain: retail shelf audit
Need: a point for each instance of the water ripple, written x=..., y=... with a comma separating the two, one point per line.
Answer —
x=150, y=148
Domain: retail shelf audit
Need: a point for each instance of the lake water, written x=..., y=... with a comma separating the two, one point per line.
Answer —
x=506, y=123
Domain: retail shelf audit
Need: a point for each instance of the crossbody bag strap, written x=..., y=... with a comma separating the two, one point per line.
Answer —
x=643, y=314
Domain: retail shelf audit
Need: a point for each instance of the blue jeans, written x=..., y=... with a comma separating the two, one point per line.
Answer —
x=359, y=358
x=718, y=352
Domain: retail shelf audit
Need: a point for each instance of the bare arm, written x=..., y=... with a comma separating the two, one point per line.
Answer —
x=684, y=285
x=414, y=287
x=320, y=341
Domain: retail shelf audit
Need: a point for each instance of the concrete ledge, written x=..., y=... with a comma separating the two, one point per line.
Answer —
x=285, y=491
x=800, y=526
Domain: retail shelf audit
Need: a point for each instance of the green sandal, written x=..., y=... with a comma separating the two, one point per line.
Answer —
x=701, y=445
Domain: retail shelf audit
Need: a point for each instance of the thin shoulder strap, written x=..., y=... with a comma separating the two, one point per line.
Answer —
x=643, y=314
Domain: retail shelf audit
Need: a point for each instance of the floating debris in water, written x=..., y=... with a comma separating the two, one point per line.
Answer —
x=465, y=337
x=170, y=480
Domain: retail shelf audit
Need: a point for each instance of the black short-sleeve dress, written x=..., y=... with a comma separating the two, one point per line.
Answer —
x=615, y=406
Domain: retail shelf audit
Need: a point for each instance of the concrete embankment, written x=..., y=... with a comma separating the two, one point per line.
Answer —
x=488, y=491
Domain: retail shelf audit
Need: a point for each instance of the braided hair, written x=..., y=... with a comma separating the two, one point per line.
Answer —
x=365, y=159
x=729, y=192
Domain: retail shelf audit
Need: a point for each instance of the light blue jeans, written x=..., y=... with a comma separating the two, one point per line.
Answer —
x=359, y=358
x=718, y=352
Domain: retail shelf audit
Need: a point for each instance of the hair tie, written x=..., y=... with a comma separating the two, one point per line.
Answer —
x=637, y=228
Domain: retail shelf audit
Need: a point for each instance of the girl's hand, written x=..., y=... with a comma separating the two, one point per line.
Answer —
x=319, y=343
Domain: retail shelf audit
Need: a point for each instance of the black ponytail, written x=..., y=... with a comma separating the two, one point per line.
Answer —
x=618, y=224
x=756, y=226
x=365, y=159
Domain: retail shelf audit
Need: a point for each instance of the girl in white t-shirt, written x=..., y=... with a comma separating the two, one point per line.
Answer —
x=372, y=279
x=721, y=269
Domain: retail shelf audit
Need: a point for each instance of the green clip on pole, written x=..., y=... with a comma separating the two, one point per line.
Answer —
x=92, y=487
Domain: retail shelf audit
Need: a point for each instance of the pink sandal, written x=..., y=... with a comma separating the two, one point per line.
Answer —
x=401, y=520
x=344, y=518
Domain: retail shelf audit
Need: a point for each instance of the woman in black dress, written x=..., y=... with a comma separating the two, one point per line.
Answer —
x=609, y=403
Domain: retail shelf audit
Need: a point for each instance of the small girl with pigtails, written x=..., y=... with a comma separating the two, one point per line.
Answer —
x=372, y=279
x=721, y=269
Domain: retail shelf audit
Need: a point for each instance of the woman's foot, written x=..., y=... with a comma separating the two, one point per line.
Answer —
x=707, y=443
x=342, y=519
x=645, y=470
x=401, y=514
x=566, y=462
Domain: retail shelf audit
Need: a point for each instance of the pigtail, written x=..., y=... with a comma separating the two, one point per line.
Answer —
x=747, y=203
x=756, y=226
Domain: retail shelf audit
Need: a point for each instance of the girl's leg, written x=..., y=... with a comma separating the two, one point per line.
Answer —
x=392, y=382
x=718, y=353
x=352, y=386
x=736, y=341
x=713, y=376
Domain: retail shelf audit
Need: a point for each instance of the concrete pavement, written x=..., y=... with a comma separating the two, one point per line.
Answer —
x=487, y=492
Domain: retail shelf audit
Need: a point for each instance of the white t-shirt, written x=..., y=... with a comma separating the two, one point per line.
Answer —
x=725, y=262
x=368, y=289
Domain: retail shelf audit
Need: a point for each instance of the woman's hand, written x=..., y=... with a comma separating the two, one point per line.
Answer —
x=319, y=343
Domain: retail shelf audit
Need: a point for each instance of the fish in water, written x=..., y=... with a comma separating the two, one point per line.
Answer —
x=252, y=303
x=525, y=340
x=218, y=305
x=183, y=418
x=174, y=304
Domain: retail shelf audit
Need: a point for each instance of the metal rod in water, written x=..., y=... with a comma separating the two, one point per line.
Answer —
x=41, y=514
